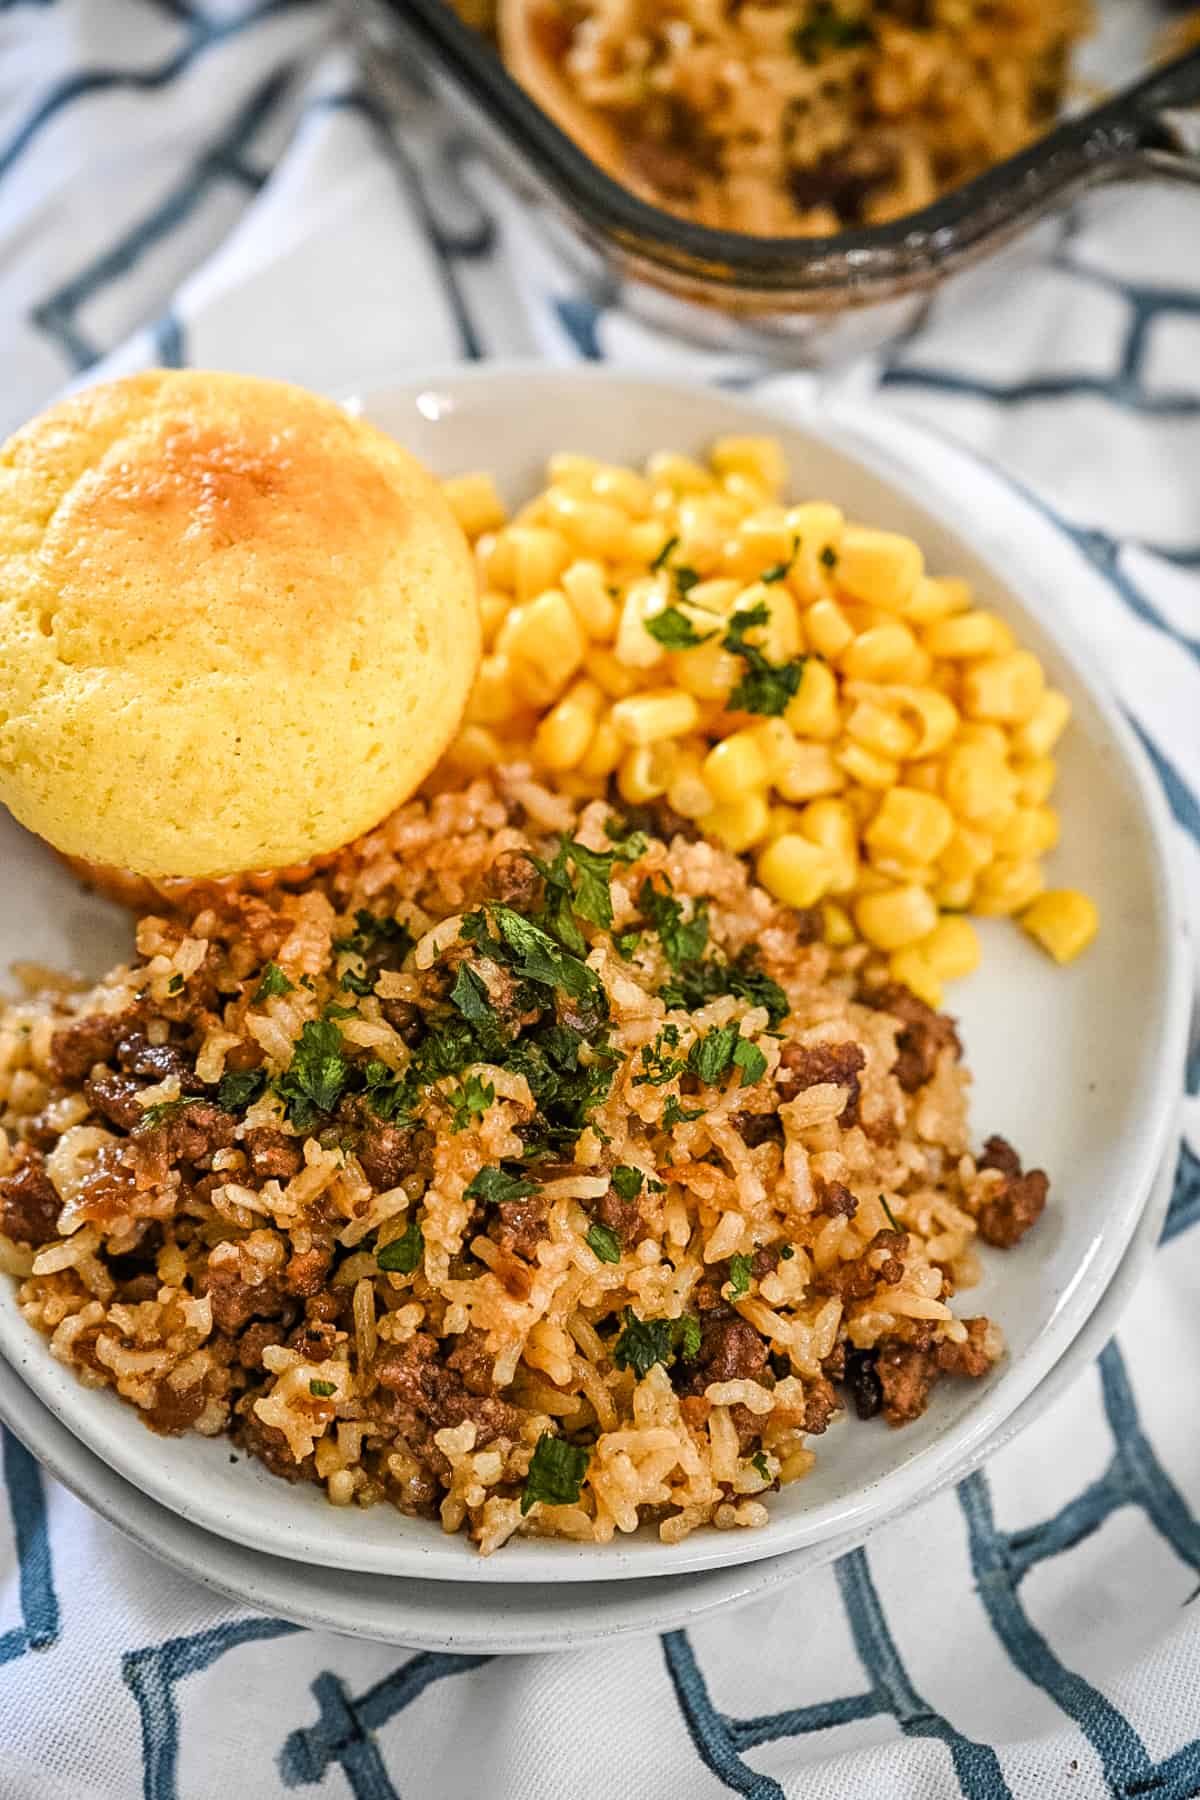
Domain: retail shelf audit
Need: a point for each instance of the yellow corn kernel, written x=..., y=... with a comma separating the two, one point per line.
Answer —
x=611, y=675
x=475, y=750
x=867, y=767
x=1031, y=831
x=897, y=917
x=930, y=716
x=967, y=635
x=734, y=767
x=545, y=635
x=688, y=793
x=819, y=526
x=812, y=712
x=913, y=970
x=966, y=852
x=1063, y=921
x=955, y=896
x=567, y=468
x=1007, y=885
x=952, y=948
x=838, y=925
x=740, y=823
x=1035, y=779
x=647, y=541
x=539, y=558
x=762, y=541
x=870, y=880
x=1003, y=687
x=809, y=771
x=716, y=595
x=917, y=669
x=881, y=653
x=879, y=566
x=783, y=819
x=494, y=561
x=604, y=752
x=564, y=734
x=494, y=698
x=936, y=597
x=881, y=729
x=776, y=742
x=761, y=458
x=901, y=870
x=475, y=503
x=659, y=713
x=990, y=737
x=645, y=772
x=586, y=587
x=634, y=646
x=1038, y=734
x=795, y=870
x=827, y=629
x=911, y=826
x=707, y=671
x=624, y=488
x=779, y=638
x=747, y=494
x=975, y=781
x=833, y=825
x=702, y=531
x=493, y=610
x=927, y=776
x=666, y=469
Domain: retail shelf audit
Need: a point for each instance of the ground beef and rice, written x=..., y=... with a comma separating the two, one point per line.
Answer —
x=518, y=1166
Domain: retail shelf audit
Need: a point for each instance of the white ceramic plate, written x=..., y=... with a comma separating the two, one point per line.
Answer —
x=513, y=1618
x=1083, y=1088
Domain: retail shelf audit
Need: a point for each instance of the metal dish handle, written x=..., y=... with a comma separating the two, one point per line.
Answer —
x=1169, y=116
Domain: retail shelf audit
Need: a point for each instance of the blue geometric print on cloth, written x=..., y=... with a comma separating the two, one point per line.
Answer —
x=27, y=1509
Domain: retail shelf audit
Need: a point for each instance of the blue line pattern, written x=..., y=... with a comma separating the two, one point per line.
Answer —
x=283, y=111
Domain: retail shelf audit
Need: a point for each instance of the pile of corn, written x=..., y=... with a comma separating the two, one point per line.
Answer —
x=898, y=767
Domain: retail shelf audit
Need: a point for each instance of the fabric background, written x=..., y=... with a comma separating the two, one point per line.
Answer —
x=207, y=182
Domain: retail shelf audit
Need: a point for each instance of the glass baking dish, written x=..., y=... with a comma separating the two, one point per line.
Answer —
x=812, y=298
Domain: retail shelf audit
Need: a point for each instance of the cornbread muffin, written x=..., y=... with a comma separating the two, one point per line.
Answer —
x=237, y=626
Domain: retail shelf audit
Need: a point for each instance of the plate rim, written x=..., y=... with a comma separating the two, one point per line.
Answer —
x=852, y=430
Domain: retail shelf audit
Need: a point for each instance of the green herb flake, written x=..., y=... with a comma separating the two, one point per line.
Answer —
x=696, y=983
x=495, y=1185
x=556, y=1472
x=828, y=557
x=674, y=630
x=470, y=1101
x=750, y=1060
x=711, y=1055
x=403, y=1254
x=471, y=996
x=660, y=561
x=627, y=1182
x=604, y=1243
x=891, y=1217
x=536, y=957
x=317, y=1076
x=273, y=983
x=240, y=1088
x=331, y=1010
x=321, y=1390
x=828, y=30
x=627, y=841
x=759, y=1464
x=739, y=1276
x=175, y=985
x=162, y=1110
x=644, y=1342
x=685, y=580
x=675, y=1114
x=656, y=1066
x=355, y=982
x=376, y=932
x=683, y=940
x=625, y=943
x=765, y=687
x=787, y=1253
x=781, y=570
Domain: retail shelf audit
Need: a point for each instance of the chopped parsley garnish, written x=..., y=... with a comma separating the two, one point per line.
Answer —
x=759, y=1464
x=683, y=940
x=626, y=839
x=787, y=1253
x=698, y=982
x=355, y=982
x=496, y=1185
x=388, y=1096
x=625, y=943
x=331, y=1010
x=403, y=1254
x=656, y=1065
x=317, y=1076
x=577, y=887
x=661, y=560
x=781, y=570
x=471, y=996
x=321, y=1389
x=766, y=687
x=470, y=1101
x=685, y=579
x=828, y=29
x=605, y=1243
x=627, y=1182
x=644, y=1342
x=675, y=1114
x=535, y=956
x=273, y=982
x=175, y=985
x=240, y=1088
x=375, y=932
x=750, y=1060
x=674, y=630
x=890, y=1214
x=556, y=1472
x=712, y=1054
x=739, y=1276
x=828, y=557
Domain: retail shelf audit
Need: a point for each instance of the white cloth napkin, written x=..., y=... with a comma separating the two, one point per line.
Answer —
x=204, y=181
